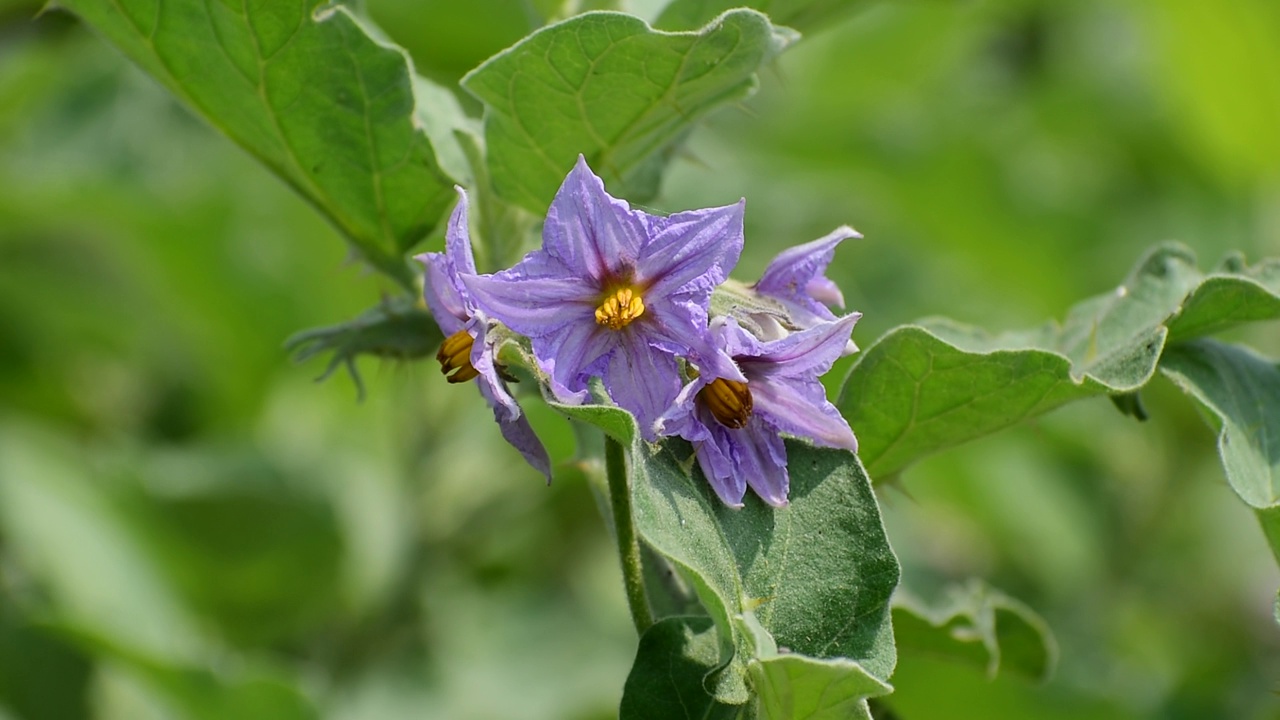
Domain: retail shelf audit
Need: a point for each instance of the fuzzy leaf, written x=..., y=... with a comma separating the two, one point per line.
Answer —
x=608, y=86
x=976, y=624
x=307, y=91
x=803, y=15
x=922, y=388
x=1242, y=391
x=666, y=680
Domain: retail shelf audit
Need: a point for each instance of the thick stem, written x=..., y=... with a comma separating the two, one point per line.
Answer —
x=624, y=529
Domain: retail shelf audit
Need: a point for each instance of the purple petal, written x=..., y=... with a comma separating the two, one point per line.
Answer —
x=594, y=234
x=762, y=460
x=442, y=293
x=697, y=247
x=795, y=275
x=532, y=306
x=642, y=380
x=457, y=237
x=571, y=354
x=807, y=353
x=679, y=326
x=505, y=408
x=518, y=433
x=800, y=407
x=716, y=458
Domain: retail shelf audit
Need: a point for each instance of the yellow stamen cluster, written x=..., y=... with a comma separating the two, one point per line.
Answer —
x=455, y=357
x=619, y=309
x=728, y=400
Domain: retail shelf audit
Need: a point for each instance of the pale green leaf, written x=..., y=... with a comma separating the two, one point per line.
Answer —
x=307, y=91
x=1242, y=391
x=608, y=86
x=922, y=388
x=803, y=15
x=979, y=625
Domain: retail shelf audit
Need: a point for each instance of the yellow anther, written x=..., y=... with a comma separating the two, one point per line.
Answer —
x=619, y=309
x=728, y=400
x=455, y=357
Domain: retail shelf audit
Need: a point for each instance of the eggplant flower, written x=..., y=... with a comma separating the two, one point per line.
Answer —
x=736, y=426
x=796, y=279
x=617, y=293
x=468, y=351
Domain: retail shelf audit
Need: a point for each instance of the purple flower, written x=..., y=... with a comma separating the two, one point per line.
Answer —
x=468, y=351
x=617, y=293
x=734, y=426
x=795, y=279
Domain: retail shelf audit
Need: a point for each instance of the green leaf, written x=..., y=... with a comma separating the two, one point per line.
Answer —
x=922, y=388
x=608, y=86
x=791, y=686
x=309, y=93
x=803, y=15
x=817, y=574
x=978, y=625
x=666, y=679
x=1242, y=391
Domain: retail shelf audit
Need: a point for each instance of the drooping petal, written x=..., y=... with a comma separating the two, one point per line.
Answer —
x=532, y=306
x=642, y=380
x=443, y=297
x=717, y=459
x=789, y=275
x=801, y=408
x=693, y=249
x=492, y=386
x=593, y=233
x=679, y=326
x=762, y=460
x=518, y=433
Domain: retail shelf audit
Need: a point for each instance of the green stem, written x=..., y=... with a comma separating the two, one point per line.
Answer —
x=624, y=529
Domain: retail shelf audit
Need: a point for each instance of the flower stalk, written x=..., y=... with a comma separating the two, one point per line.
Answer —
x=624, y=530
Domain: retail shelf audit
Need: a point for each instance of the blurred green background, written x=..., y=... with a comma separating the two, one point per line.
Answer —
x=191, y=528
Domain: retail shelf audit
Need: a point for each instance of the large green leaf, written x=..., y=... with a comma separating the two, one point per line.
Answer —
x=310, y=93
x=979, y=625
x=803, y=15
x=1242, y=391
x=608, y=86
x=926, y=387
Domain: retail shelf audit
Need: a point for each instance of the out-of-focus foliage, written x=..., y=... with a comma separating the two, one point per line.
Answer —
x=173, y=490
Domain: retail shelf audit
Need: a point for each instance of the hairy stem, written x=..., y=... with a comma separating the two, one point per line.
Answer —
x=625, y=530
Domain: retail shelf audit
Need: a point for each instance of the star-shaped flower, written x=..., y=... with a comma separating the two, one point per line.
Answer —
x=617, y=293
x=735, y=426
x=795, y=278
x=468, y=352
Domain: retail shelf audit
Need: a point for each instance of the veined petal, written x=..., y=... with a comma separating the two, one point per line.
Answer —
x=572, y=353
x=443, y=296
x=789, y=273
x=807, y=353
x=716, y=457
x=532, y=306
x=679, y=326
x=762, y=460
x=518, y=433
x=642, y=380
x=593, y=233
x=801, y=408
x=457, y=237
x=492, y=386
x=697, y=247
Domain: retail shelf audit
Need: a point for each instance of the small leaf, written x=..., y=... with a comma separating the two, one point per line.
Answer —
x=922, y=388
x=978, y=625
x=608, y=86
x=789, y=685
x=666, y=679
x=1242, y=390
x=311, y=94
x=803, y=15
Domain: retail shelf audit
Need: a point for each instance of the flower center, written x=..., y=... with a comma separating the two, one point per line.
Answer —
x=455, y=357
x=619, y=309
x=728, y=400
